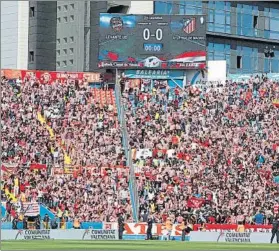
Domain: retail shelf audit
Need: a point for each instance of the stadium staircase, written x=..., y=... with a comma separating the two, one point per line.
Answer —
x=128, y=153
x=67, y=159
x=45, y=210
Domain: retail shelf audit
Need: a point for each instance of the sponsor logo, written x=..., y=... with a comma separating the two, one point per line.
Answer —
x=116, y=23
x=152, y=62
x=100, y=234
x=235, y=237
x=35, y=234
x=220, y=235
x=46, y=77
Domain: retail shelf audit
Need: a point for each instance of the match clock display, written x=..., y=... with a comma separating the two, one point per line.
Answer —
x=152, y=41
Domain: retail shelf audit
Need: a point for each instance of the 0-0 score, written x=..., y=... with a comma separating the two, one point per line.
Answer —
x=158, y=34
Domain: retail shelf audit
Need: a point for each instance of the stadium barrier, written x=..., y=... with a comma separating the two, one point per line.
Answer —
x=158, y=228
x=112, y=234
x=69, y=234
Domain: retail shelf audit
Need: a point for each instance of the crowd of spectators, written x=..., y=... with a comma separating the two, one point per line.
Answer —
x=63, y=127
x=217, y=145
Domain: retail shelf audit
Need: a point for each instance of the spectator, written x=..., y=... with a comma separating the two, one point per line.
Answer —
x=46, y=221
x=259, y=218
x=14, y=222
x=25, y=223
x=76, y=223
x=53, y=223
x=38, y=222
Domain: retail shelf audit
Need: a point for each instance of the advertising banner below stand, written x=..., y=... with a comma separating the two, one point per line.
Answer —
x=50, y=76
x=158, y=228
x=69, y=234
x=112, y=234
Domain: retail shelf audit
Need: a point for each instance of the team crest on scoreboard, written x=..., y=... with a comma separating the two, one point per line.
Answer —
x=189, y=25
x=116, y=23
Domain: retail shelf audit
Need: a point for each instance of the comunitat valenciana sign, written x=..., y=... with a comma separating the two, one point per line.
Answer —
x=154, y=74
x=57, y=234
x=34, y=234
x=234, y=237
x=100, y=234
x=136, y=232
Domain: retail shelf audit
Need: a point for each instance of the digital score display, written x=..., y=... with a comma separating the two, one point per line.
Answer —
x=153, y=47
x=152, y=41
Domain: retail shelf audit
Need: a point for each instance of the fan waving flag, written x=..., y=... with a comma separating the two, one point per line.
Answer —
x=275, y=102
x=38, y=166
x=31, y=208
x=195, y=202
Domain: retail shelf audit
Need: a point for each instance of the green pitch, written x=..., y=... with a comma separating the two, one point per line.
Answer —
x=130, y=245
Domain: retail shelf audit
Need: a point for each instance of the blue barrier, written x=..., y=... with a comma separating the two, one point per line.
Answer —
x=6, y=225
x=69, y=225
x=44, y=210
x=3, y=211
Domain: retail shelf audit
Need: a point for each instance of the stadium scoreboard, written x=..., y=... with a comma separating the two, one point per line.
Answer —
x=152, y=41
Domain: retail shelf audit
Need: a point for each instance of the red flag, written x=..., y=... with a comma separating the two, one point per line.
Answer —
x=195, y=202
x=4, y=169
x=37, y=166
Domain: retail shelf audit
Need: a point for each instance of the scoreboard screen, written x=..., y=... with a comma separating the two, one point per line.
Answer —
x=152, y=41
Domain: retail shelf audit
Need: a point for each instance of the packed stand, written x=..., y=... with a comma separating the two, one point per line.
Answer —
x=63, y=127
x=207, y=154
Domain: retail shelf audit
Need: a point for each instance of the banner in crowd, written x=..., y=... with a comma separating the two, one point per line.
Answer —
x=155, y=74
x=69, y=234
x=46, y=76
x=194, y=202
x=146, y=152
x=143, y=153
x=104, y=171
x=8, y=168
x=31, y=208
x=38, y=166
x=160, y=83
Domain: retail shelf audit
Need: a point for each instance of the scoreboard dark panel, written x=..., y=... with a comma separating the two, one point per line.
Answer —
x=152, y=41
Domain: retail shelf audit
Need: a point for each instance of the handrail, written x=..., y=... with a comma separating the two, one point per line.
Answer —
x=127, y=149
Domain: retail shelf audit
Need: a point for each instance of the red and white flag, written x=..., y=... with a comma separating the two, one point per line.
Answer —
x=194, y=202
x=190, y=56
x=276, y=209
x=31, y=208
x=8, y=168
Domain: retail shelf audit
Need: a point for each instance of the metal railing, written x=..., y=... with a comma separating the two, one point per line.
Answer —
x=128, y=152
